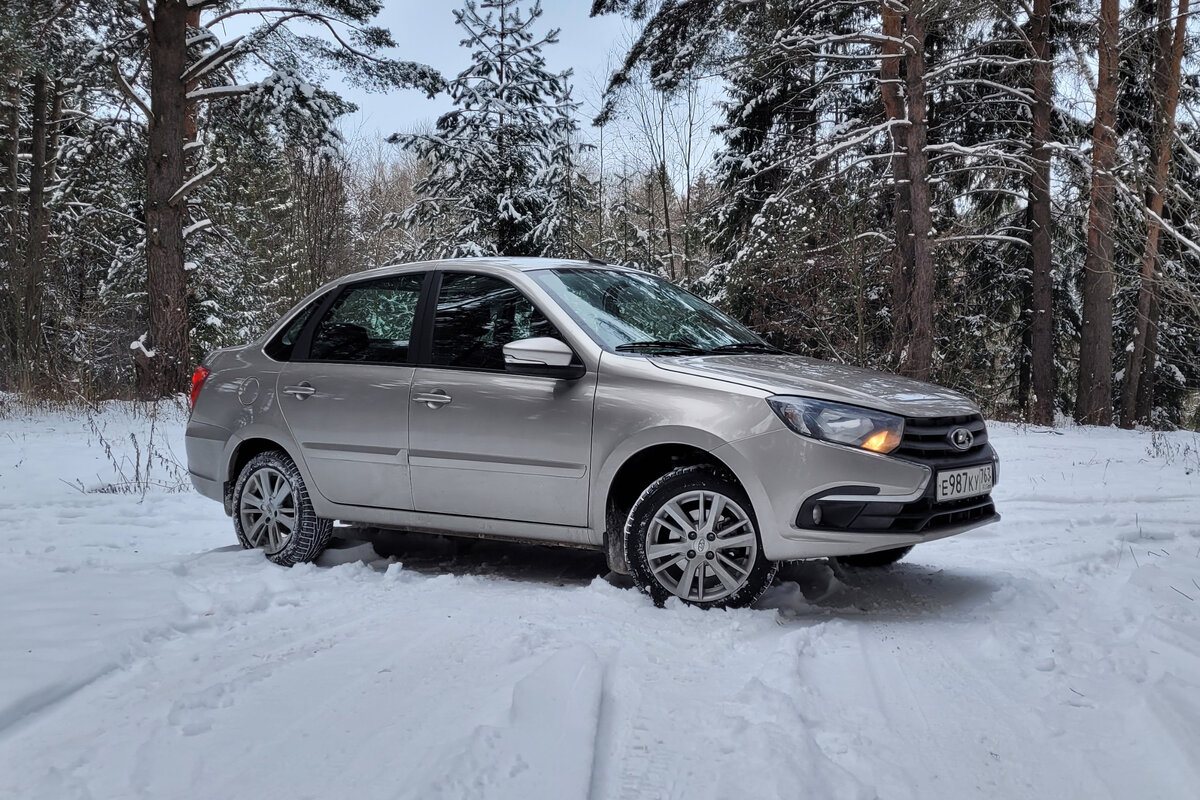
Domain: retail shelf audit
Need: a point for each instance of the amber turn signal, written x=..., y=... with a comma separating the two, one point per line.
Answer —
x=884, y=441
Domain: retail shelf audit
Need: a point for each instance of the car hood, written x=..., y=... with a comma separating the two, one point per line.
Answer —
x=797, y=375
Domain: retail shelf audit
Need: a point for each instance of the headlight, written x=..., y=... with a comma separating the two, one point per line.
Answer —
x=836, y=422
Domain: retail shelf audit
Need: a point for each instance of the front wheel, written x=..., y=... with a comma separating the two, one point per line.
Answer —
x=272, y=511
x=693, y=535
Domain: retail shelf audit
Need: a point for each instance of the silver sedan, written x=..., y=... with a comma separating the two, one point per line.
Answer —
x=579, y=404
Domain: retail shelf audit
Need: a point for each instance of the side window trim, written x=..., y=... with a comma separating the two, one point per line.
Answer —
x=304, y=341
x=427, y=318
x=282, y=328
x=421, y=351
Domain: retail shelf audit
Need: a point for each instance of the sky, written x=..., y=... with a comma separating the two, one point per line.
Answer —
x=424, y=31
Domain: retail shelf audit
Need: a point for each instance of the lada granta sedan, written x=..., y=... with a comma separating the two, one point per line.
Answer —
x=578, y=404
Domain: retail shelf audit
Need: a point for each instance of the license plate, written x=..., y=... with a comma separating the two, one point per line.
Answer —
x=967, y=482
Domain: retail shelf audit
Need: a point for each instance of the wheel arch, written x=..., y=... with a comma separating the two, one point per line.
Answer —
x=639, y=462
x=248, y=443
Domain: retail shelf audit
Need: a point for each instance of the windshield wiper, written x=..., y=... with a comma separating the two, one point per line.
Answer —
x=745, y=347
x=660, y=346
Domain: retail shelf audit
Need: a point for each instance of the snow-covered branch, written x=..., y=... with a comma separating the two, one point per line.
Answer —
x=128, y=91
x=196, y=227
x=193, y=183
x=217, y=92
x=214, y=59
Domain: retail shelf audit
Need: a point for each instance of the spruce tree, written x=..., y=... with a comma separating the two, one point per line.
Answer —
x=502, y=179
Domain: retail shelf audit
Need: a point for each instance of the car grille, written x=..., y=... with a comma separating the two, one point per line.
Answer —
x=927, y=441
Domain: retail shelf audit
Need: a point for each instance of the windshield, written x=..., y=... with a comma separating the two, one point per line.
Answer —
x=637, y=312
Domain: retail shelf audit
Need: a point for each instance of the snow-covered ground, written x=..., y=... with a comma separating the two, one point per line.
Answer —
x=142, y=654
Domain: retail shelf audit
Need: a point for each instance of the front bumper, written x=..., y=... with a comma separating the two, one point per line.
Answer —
x=869, y=502
x=857, y=508
x=797, y=546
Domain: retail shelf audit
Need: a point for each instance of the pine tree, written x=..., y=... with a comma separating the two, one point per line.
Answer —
x=1137, y=394
x=502, y=177
x=896, y=137
x=72, y=175
x=1093, y=400
x=169, y=60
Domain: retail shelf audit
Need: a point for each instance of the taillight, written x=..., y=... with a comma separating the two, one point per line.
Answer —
x=198, y=378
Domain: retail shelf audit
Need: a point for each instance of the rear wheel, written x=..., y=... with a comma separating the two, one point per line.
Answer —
x=272, y=511
x=880, y=558
x=693, y=535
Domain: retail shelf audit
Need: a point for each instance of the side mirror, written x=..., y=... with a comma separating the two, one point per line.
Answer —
x=543, y=356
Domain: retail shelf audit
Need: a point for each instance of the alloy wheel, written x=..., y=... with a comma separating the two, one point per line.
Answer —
x=268, y=509
x=701, y=546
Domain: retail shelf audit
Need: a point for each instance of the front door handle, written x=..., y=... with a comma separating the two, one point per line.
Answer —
x=435, y=399
x=300, y=391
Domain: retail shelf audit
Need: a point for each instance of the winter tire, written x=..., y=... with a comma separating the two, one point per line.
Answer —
x=693, y=535
x=272, y=511
x=880, y=558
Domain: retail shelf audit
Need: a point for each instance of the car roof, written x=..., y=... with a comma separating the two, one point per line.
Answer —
x=491, y=263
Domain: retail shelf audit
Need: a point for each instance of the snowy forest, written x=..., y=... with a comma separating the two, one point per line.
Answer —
x=999, y=196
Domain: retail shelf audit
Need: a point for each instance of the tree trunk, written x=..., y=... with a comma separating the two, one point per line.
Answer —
x=1145, y=397
x=39, y=231
x=919, y=361
x=56, y=126
x=893, y=106
x=163, y=364
x=1024, y=367
x=1093, y=399
x=1166, y=99
x=661, y=170
x=662, y=185
x=12, y=308
x=1042, y=323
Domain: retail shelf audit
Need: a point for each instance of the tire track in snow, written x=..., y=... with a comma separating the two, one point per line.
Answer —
x=25, y=708
x=390, y=674
x=688, y=728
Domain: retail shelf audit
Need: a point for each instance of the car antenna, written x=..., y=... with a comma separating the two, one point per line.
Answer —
x=591, y=257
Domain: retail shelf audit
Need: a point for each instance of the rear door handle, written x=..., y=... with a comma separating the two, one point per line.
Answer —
x=435, y=399
x=300, y=391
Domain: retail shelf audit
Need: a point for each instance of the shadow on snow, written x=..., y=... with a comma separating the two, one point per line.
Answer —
x=819, y=588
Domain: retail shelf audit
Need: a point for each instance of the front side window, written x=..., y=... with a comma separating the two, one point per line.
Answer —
x=370, y=322
x=634, y=311
x=476, y=316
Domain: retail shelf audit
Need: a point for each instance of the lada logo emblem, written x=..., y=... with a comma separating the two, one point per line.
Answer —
x=962, y=438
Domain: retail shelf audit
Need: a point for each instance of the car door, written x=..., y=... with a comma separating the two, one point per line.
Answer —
x=346, y=399
x=487, y=443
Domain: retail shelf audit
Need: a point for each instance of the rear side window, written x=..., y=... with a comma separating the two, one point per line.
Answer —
x=283, y=343
x=477, y=315
x=370, y=322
